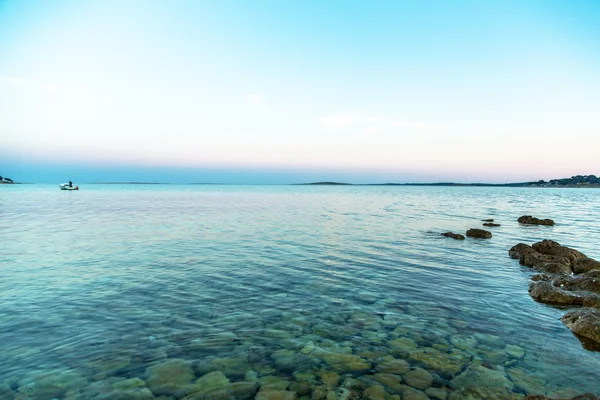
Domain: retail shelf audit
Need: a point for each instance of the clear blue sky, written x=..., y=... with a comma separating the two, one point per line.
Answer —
x=280, y=91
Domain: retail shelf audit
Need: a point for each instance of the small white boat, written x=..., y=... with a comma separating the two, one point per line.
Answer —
x=66, y=186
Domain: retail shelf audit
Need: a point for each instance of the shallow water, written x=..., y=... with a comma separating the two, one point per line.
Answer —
x=99, y=285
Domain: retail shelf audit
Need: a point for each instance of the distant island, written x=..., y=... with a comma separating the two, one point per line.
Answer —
x=574, y=181
x=128, y=183
x=6, y=181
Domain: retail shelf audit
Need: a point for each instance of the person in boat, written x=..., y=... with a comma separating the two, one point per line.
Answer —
x=70, y=184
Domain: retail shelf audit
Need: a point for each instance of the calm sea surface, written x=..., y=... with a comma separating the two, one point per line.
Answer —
x=279, y=284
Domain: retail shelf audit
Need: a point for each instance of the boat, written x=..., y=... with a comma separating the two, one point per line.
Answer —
x=67, y=186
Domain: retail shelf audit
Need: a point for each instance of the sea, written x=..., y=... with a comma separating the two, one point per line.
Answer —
x=120, y=291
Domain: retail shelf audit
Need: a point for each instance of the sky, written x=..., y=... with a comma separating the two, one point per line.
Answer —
x=290, y=91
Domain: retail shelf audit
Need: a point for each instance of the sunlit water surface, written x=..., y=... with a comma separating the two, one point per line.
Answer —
x=107, y=281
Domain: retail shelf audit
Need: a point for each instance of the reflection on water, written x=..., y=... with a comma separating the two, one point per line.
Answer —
x=217, y=292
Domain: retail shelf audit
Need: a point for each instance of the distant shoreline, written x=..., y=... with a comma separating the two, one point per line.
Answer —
x=331, y=183
x=452, y=184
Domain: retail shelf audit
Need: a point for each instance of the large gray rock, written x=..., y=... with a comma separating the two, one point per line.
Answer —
x=552, y=248
x=529, y=220
x=544, y=292
x=586, y=264
x=453, y=235
x=530, y=257
x=584, y=322
x=579, y=290
x=479, y=233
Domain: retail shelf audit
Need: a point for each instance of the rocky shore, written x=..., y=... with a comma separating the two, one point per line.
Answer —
x=568, y=278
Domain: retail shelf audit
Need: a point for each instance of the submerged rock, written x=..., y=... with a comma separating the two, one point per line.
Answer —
x=269, y=394
x=130, y=394
x=234, y=367
x=526, y=382
x=50, y=384
x=479, y=233
x=491, y=224
x=584, y=322
x=375, y=392
x=488, y=220
x=290, y=361
x=437, y=393
x=212, y=380
x=529, y=220
x=413, y=394
x=232, y=391
x=342, y=362
x=6, y=392
x=445, y=364
x=171, y=378
x=418, y=378
x=585, y=396
x=273, y=382
x=393, y=366
x=453, y=235
x=478, y=382
x=391, y=381
x=463, y=342
x=129, y=384
x=514, y=351
x=403, y=343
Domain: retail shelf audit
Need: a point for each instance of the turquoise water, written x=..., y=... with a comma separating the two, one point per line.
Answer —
x=272, y=283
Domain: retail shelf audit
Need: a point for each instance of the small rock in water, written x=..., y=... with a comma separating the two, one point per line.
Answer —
x=403, y=343
x=167, y=377
x=491, y=224
x=413, y=394
x=393, y=366
x=437, y=393
x=366, y=297
x=453, y=235
x=375, y=392
x=514, y=351
x=212, y=380
x=483, y=382
x=443, y=363
x=463, y=342
x=310, y=346
x=268, y=394
x=479, y=233
x=488, y=220
x=418, y=378
x=529, y=220
x=526, y=382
